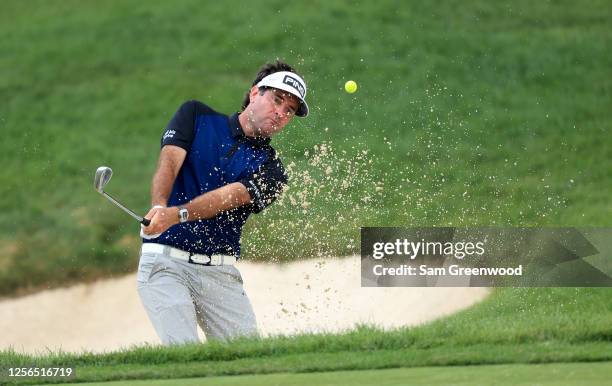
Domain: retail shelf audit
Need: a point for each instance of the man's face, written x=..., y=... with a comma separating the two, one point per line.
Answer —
x=269, y=112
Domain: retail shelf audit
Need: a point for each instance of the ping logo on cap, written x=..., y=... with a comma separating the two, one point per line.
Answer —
x=296, y=84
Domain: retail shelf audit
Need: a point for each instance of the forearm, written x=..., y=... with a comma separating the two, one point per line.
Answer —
x=163, y=180
x=212, y=203
x=260, y=193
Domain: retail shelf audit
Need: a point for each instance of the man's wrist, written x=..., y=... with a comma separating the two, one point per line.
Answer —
x=182, y=214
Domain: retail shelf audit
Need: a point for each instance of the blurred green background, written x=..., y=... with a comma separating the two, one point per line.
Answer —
x=479, y=113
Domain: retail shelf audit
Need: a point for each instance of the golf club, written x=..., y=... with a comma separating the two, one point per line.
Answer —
x=103, y=175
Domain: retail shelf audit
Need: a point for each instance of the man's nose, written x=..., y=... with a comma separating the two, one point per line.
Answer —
x=279, y=111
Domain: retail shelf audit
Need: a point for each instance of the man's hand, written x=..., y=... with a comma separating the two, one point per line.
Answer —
x=161, y=219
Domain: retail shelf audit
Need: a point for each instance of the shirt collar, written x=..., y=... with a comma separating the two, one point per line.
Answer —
x=236, y=131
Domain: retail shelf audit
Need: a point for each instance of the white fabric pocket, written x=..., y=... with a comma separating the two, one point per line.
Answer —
x=145, y=265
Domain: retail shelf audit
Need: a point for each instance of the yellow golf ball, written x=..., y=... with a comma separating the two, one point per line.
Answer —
x=350, y=86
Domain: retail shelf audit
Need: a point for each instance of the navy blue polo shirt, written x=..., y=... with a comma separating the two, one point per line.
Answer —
x=218, y=153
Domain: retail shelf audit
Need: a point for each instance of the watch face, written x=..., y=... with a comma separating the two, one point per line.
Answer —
x=183, y=215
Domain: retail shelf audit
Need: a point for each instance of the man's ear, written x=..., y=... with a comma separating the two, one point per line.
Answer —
x=253, y=94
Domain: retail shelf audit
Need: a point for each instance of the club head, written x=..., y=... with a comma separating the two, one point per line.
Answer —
x=103, y=175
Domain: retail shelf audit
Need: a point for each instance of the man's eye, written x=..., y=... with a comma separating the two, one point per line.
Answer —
x=278, y=100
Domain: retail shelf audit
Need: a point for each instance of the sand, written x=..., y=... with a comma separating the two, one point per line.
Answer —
x=314, y=295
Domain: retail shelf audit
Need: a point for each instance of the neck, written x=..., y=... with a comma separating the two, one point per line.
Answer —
x=247, y=127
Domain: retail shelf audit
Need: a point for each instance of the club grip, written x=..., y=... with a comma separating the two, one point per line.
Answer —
x=145, y=222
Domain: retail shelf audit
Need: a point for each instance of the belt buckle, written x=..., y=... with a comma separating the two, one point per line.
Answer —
x=199, y=259
x=216, y=260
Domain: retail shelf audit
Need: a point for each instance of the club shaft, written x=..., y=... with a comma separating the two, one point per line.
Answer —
x=126, y=210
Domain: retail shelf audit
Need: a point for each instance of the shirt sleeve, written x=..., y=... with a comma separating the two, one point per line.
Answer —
x=181, y=128
x=266, y=184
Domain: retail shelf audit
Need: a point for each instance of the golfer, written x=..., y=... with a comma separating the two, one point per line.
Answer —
x=213, y=171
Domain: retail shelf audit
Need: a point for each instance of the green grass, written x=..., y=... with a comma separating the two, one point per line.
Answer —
x=558, y=374
x=467, y=114
x=512, y=326
x=476, y=113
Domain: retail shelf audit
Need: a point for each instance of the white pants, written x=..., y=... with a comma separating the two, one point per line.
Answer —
x=177, y=295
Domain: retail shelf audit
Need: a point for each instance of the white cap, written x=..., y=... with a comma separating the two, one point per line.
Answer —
x=290, y=82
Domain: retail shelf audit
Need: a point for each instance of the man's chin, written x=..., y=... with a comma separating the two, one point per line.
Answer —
x=268, y=130
x=265, y=133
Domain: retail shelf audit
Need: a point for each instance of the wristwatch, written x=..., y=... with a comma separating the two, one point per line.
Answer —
x=183, y=214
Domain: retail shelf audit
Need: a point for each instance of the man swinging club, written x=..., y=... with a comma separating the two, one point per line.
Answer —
x=213, y=171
